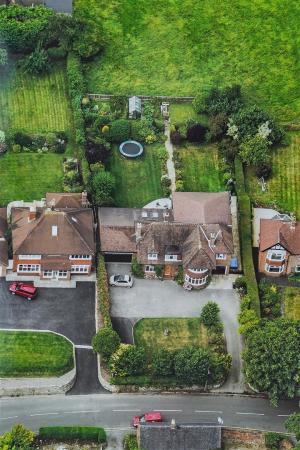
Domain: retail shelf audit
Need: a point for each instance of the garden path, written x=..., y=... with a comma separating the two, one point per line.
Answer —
x=170, y=162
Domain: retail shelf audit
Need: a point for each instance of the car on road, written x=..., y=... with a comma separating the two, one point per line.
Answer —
x=149, y=417
x=121, y=280
x=23, y=290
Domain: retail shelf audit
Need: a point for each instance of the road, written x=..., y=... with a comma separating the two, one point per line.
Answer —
x=114, y=411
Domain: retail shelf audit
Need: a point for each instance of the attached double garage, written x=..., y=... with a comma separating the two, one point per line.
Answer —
x=118, y=257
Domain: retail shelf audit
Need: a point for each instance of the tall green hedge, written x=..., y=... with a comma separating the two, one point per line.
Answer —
x=82, y=433
x=245, y=215
x=103, y=292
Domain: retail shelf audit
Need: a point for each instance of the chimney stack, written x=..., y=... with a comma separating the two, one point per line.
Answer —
x=84, y=200
x=293, y=222
x=32, y=214
x=138, y=231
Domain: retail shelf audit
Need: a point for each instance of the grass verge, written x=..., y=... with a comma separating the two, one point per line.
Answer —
x=28, y=176
x=137, y=180
x=34, y=354
x=291, y=299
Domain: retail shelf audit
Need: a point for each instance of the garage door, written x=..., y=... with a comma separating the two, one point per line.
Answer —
x=118, y=257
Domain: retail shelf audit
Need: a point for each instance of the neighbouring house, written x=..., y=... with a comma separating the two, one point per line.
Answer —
x=3, y=243
x=54, y=241
x=279, y=247
x=59, y=6
x=134, y=107
x=264, y=213
x=193, y=436
x=196, y=234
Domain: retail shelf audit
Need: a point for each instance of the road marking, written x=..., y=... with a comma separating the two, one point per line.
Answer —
x=44, y=414
x=283, y=415
x=249, y=414
x=79, y=412
x=167, y=410
x=126, y=410
x=6, y=418
x=88, y=347
x=218, y=412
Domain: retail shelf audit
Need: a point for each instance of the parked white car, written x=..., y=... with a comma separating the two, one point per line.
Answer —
x=121, y=280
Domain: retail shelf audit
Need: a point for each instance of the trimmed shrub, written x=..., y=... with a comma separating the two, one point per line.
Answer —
x=210, y=314
x=19, y=438
x=128, y=360
x=176, y=137
x=240, y=284
x=140, y=129
x=136, y=268
x=81, y=433
x=216, y=101
x=101, y=186
x=103, y=292
x=106, y=342
x=37, y=62
x=196, y=133
x=163, y=363
x=273, y=440
x=130, y=442
x=119, y=131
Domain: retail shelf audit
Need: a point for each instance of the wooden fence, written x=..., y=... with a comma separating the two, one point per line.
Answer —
x=163, y=98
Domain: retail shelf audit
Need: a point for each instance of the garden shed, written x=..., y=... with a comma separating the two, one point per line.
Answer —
x=134, y=107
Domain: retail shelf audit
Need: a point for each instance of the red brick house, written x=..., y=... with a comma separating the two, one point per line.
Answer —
x=54, y=241
x=279, y=247
x=195, y=234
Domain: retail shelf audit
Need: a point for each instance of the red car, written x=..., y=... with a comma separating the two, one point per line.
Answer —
x=23, y=289
x=149, y=417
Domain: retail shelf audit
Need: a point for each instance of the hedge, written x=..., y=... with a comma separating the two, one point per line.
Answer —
x=96, y=434
x=103, y=292
x=246, y=236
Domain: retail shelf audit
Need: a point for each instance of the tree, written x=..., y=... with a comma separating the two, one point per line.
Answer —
x=196, y=132
x=3, y=57
x=21, y=27
x=210, y=314
x=163, y=362
x=101, y=185
x=128, y=360
x=106, y=342
x=192, y=365
x=292, y=424
x=89, y=37
x=219, y=101
x=272, y=358
x=19, y=438
x=119, y=131
x=217, y=126
x=176, y=137
x=37, y=62
x=255, y=151
x=98, y=149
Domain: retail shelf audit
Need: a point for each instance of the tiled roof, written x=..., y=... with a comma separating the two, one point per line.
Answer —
x=64, y=200
x=274, y=232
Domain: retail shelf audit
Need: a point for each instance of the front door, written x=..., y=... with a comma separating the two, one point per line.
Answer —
x=169, y=271
x=55, y=274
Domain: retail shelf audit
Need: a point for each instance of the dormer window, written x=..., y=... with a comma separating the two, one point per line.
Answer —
x=172, y=258
x=144, y=214
x=220, y=256
x=152, y=256
x=276, y=255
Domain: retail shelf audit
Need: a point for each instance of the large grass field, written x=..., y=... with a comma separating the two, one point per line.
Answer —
x=137, y=180
x=291, y=299
x=181, y=47
x=33, y=354
x=200, y=168
x=34, y=103
x=283, y=188
x=28, y=176
x=149, y=333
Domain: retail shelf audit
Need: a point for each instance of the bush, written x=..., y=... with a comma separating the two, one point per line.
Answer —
x=165, y=185
x=264, y=170
x=270, y=299
x=175, y=137
x=158, y=270
x=77, y=88
x=119, y=131
x=89, y=37
x=192, y=365
x=101, y=186
x=228, y=150
x=217, y=127
x=240, y=284
x=80, y=433
x=128, y=360
x=163, y=363
x=179, y=276
x=57, y=53
x=130, y=442
x=103, y=292
x=255, y=151
x=140, y=129
x=19, y=438
x=248, y=321
x=16, y=148
x=196, y=133
x=217, y=101
x=21, y=27
x=136, y=268
x=37, y=62
x=210, y=314
x=273, y=440
x=106, y=342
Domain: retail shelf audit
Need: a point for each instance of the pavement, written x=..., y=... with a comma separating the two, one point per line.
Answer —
x=70, y=312
x=114, y=411
x=155, y=298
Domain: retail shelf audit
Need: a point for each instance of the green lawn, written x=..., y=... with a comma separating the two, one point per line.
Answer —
x=200, y=168
x=181, y=112
x=137, y=180
x=149, y=333
x=34, y=103
x=283, y=189
x=33, y=354
x=181, y=47
x=291, y=299
x=28, y=176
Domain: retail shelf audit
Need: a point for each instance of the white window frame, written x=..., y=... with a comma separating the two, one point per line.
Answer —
x=149, y=268
x=152, y=256
x=195, y=281
x=36, y=268
x=269, y=266
x=80, y=268
x=47, y=273
x=277, y=247
x=29, y=256
x=297, y=269
x=87, y=257
x=172, y=258
x=62, y=273
x=198, y=270
x=279, y=253
x=220, y=256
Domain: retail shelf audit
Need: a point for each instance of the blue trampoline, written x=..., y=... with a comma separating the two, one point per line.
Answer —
x=131, y=149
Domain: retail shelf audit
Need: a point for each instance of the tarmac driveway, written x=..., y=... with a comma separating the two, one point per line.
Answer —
x=153, y=298
x=70, y=312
